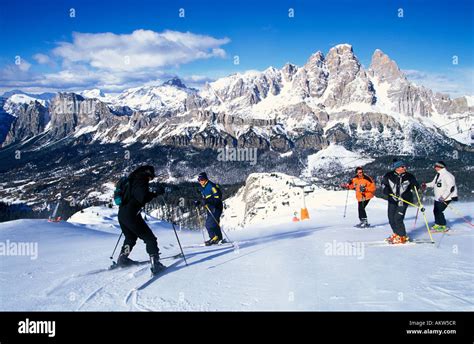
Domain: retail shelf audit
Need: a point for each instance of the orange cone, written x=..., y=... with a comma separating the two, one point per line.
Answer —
x=304, y=214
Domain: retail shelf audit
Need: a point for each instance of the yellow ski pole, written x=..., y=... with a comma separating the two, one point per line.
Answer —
x=424, y=215
x=401, y=199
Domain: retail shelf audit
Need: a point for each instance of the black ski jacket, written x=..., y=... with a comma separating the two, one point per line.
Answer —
x=138, y=193
x=400, y=185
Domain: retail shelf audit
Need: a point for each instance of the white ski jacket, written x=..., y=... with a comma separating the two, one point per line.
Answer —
x=444, y=185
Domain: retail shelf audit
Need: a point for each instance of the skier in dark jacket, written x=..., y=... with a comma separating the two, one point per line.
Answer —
x=133, y=226
x=398, y=183
x=212, y=201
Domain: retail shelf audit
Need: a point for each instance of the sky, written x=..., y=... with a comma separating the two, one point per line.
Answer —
x=113, y=45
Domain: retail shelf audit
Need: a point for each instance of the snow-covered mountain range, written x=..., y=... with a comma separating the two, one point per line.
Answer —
x=331, y=98
x=325, y=116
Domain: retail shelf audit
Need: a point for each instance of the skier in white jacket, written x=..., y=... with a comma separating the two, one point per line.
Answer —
x=445, y=191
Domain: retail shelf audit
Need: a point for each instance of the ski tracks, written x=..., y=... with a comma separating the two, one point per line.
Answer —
x=132, y=297
x=104, y=284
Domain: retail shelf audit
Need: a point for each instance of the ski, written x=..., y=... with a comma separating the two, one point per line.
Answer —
x=364, y=227
x=204, y=245
x=381, y=243
x=142, y=262
x=176, y=256
x=360, y=225
x=436, y=232
x=138, y=263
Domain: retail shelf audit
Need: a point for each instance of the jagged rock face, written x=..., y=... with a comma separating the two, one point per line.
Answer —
x=378, y=121
x=6, y=121
x=312, y=79
x=347, y=81
x=411, y=101
x=252, y=140
x=288, y=71
x=446, y=105
x=385, y=69
x=70, y=111
x=309, y=140
x=407, y=98
x=290, y=108
x=211, y=138
x=31, y=120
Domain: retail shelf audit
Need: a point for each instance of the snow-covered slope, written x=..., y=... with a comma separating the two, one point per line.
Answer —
x=334, y=158
x=16, y=100
x=308, y=265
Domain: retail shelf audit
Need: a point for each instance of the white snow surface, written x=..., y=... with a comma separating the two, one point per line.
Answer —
x=284, y=265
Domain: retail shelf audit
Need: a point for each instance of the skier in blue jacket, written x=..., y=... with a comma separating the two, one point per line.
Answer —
x=212, y=201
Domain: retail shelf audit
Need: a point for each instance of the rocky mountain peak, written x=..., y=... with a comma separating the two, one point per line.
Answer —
x=340, y=58
x=317, y=59
x=176, y=82
x=384, y=68
x=288, y=71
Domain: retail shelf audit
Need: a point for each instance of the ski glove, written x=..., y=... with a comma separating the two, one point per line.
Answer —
x=362, y=188
x=157, y=189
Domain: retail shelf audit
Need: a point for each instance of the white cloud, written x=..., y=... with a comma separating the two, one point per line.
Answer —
x=456, y=82
x=139, y=50
x=41, y=58
x=112, y=61
x=24, y=65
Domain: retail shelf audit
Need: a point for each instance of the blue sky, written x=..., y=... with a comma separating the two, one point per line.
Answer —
x=58, y=51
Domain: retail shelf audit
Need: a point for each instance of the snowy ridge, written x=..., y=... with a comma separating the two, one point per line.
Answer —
x=335, y=158
x=289, y=103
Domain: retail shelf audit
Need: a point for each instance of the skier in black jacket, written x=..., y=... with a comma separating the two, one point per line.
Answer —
x=133, y=226
x=399, y=183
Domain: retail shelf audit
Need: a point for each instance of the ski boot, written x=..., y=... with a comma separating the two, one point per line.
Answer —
x=213, y=241
x=156, y=266
x=439, y=228
x=364, y=224
x=398, y=240
x=123, y=261
x=390, y=238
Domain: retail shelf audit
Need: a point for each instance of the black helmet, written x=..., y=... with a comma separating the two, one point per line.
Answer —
x=202, y=176
x=146, y=171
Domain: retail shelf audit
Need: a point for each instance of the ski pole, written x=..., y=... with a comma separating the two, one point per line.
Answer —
x=417, y=211
x=120, y=237
x=459, y=213
x=345, y=207
x=201, y=224
x=179, y=243
x=423, y=213
x=405, y=201
x=218, y=225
